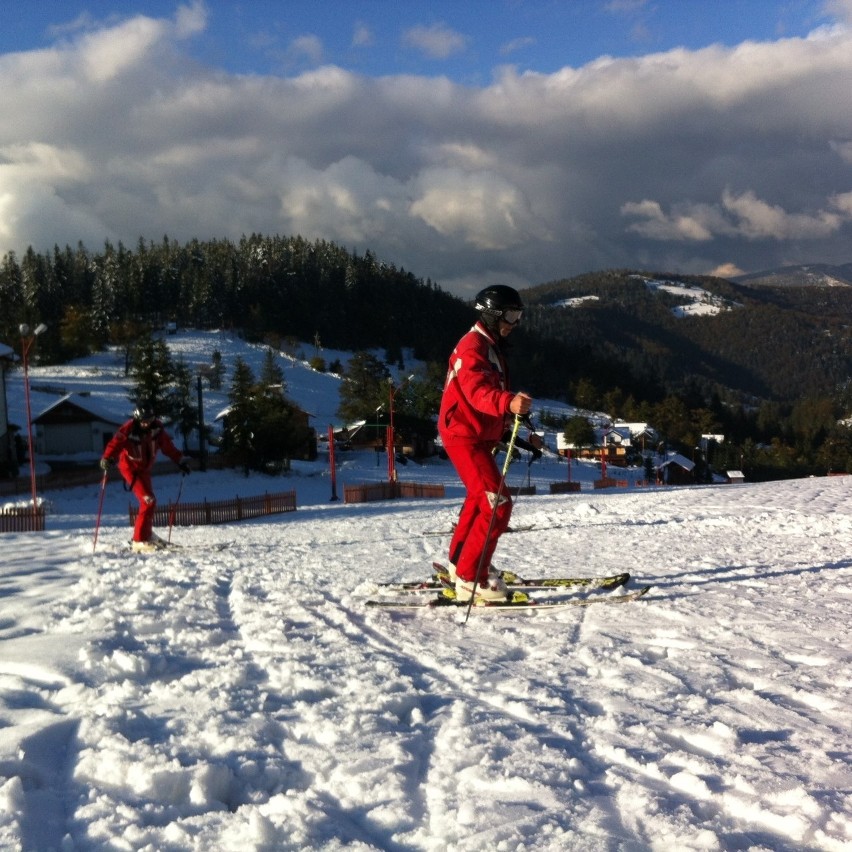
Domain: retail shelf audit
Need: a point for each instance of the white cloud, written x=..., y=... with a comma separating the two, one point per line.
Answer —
x=362, y=36
x=39, y=161
x=840, y=9
x=437, y=41
x=843, y=203
x=758, y=220
x=516, y=44
x=843, y=149
x=106, y=54
x=33, y=213
x=743, y=215
x=191, y=19
x=347, y=202
x=306, y=47
x=657, y=225
x=726, y=270
x=482, y=208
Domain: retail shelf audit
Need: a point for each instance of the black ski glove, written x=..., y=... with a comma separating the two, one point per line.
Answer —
x=185, y=469
x=106, y=463
x=529, y=447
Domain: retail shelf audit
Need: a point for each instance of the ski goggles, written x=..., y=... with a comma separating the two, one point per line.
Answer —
x=512, y=317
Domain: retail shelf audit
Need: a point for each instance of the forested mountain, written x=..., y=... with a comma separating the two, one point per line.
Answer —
x=810, y=275
x=691, y=354
x=694, y=333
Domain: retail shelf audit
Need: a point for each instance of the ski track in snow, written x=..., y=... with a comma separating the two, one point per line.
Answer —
x=246, y=699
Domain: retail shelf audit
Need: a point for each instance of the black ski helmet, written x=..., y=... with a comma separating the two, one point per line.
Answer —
x=144, y=411
x=494, y=302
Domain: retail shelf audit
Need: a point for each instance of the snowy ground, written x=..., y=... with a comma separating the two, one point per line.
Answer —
x=245, y=699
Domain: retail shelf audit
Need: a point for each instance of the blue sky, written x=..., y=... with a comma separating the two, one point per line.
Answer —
x=467, y=141
x=462, y=39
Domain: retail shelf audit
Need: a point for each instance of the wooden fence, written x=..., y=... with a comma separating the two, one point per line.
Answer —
x=367, y=493
x=76, y=476
x=22, y=519
x=220, y=511
x=520, y=490
x=564, y=487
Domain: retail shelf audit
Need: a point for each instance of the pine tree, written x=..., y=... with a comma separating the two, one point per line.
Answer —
x=364, y=388
x=184, y=410
x=579, y=432
x=272, y=375
x=238, y=438
x=217, y=371
x=152, y=372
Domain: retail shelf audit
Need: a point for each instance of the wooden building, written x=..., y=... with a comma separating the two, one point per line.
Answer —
x=73, y=425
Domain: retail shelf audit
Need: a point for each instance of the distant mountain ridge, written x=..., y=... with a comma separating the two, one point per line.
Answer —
x=772, y=337
x=805, y=275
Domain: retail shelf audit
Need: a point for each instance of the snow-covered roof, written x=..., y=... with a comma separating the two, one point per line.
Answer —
x=80, y=402
x=7, y=352
x=635, y=428
x=679, y=460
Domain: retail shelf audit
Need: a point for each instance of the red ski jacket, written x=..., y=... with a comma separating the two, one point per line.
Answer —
x=476, y=399
x=136, y=448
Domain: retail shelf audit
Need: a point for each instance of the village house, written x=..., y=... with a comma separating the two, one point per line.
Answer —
x=676, y=469
x=73, y=425
x=614, y=444
x=642, y=436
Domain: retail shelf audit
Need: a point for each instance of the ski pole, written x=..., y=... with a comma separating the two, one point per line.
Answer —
x=174, y=511
x=100, y=509
x=506, y=463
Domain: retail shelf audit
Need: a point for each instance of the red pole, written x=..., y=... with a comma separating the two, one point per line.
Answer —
x=568, y=456
x=25, y=351
x=390, y=438
x=331, y=463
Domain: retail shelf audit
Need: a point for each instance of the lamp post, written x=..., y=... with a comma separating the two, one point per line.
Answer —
x=391, y=438
x=27, y=341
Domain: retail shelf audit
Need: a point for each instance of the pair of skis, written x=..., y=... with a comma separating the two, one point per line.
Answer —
x=443, y=593
x=171, y=546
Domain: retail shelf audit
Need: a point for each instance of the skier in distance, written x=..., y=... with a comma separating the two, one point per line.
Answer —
x=135, y=445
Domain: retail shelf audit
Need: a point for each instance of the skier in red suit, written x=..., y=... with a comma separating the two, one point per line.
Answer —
x=476, y=409
x=136, y=444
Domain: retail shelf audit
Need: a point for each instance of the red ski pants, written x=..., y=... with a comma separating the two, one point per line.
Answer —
x=471, y=540
x=142, y=488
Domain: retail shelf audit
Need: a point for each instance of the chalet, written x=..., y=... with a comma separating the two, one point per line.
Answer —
x=7, y=445
x=73, y=425
x=612, y=445
x=413, y=436
x=642, y=435
x=676, y=469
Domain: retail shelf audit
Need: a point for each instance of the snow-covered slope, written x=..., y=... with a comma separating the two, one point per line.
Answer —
x=246, y=699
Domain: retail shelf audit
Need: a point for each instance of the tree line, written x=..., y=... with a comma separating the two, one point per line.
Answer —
x=262, y=284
